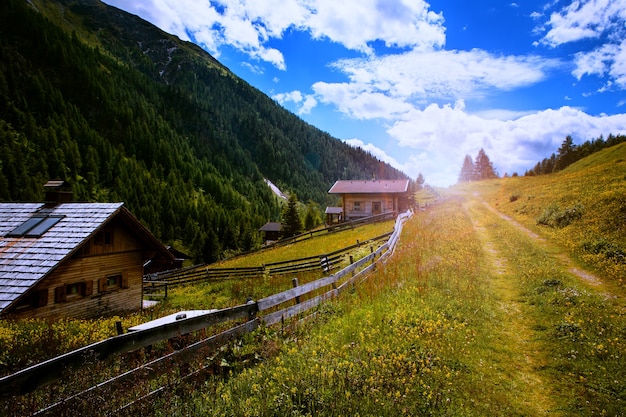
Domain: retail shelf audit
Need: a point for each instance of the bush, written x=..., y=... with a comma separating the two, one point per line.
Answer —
x=554, y=217
x=607, y=249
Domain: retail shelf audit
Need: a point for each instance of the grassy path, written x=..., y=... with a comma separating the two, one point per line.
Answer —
x=523, y=348
x=554, y=319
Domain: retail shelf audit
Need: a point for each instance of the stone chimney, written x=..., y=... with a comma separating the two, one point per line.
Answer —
x=57, y=192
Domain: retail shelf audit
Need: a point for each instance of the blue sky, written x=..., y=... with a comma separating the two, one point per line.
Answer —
x=421, y=84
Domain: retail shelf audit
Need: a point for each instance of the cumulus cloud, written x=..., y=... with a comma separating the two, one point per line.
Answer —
x=380, y=85
x=601, y=21
x=443, y=135
x=248, y=25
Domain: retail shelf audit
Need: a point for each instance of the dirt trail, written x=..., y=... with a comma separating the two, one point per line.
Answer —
x=563, y=258
x=516, y=328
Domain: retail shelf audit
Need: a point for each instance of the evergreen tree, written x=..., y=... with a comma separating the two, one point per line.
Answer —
x=291, y=218
x=483, y=167
x=467, y=170
x=566, y=154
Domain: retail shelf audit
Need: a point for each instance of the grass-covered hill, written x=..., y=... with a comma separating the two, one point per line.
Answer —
x=125, y=112
x=582, y=207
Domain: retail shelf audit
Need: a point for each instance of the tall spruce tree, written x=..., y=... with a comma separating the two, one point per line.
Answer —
x=467, y=170
x=292, y=225
x=483, y=167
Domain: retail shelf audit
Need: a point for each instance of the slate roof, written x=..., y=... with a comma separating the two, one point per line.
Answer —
x=26, y=260
x=271, y=227
x=369, y=187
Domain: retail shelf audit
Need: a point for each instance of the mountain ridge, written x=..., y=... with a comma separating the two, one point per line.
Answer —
x=123, y=111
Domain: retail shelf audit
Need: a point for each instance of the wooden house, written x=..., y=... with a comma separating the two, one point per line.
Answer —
x=272, y=231
x=62, y=259
x=368, y=198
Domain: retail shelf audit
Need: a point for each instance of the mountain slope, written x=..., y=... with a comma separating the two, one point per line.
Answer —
x=126, y=112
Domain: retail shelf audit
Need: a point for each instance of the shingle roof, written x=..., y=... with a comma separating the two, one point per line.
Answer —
x=271, y=227
x=26, y=260
x=369, y=187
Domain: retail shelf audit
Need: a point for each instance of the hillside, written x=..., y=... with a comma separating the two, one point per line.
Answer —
x=125, y=112
x=582, y=207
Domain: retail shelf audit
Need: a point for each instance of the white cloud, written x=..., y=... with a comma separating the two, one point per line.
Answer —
x=305, y=103
x=391, y=86
x=604, y=22
x=248, y=25
x=585, y=19
x=376, y=151
x=443, y=135
x=355, y=23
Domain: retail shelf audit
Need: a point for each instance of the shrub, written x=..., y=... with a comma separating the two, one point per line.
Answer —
x=609, y=250
x=554, y=217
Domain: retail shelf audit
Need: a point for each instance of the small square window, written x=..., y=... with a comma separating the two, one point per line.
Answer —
x=72, y=289
x=357, y=206
x=114, y=281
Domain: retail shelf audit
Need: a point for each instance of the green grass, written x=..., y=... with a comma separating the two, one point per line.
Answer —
x=318, y=245
x=476, y=314
x=473, y=317
x=585, y=206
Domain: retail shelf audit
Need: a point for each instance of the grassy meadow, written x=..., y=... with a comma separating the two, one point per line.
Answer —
x=582, y=208
x=473, y=317
x=503, y=298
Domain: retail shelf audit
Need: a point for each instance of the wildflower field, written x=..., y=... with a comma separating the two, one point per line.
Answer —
x=471, y=317
x=504, y=297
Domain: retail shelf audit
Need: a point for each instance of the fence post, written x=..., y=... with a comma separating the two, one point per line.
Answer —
x=295, y=283
x=324, y=263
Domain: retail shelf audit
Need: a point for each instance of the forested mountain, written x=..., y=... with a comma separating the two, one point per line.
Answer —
x=125, y=112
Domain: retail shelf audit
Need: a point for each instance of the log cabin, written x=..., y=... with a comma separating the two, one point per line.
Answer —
x=364, y=198
x=63, y=259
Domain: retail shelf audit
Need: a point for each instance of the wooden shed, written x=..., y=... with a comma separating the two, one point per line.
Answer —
x=364, y=198
x=80, y=260
x=272, y=231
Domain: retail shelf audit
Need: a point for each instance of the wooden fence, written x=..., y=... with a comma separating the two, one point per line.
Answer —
x=269, y=310
x=157, y=285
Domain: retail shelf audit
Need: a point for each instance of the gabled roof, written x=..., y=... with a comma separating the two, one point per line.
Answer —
x=271, y=227
x=334, y=210
x=369, y=187
x=25, y=259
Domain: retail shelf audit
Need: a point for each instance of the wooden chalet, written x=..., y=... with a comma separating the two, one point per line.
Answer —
x=362, y=198
x=63, y=259
x=272, y=231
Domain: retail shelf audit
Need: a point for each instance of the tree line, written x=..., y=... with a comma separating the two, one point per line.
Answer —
x=569, y=152
x=478, y=169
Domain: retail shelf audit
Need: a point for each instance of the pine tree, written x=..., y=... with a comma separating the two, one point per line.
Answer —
x=467, y=170
x=291, y=218
x=566, y=154
x=483, y=167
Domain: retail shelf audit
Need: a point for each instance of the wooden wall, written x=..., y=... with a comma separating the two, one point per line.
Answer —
x=119, y=256
x=388, y=204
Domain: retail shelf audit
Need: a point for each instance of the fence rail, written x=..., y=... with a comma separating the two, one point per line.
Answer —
x=269, y=310
x=158, y=285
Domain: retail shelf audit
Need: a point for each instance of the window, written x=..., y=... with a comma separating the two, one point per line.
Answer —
x=357, y=206
x=74, y=290
x=35, y=226
x=112, y=282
